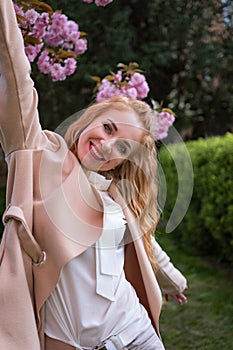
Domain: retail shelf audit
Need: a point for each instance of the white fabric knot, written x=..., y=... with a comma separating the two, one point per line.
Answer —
x=107, y=266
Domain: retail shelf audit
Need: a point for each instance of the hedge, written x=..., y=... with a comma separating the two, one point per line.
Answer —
x=207, y=226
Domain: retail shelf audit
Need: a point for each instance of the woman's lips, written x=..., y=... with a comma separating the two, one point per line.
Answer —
x=95, y=152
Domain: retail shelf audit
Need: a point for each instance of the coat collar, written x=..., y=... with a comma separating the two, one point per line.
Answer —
x=98, y=181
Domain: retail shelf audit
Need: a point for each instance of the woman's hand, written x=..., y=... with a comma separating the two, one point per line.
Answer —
x=179, y=298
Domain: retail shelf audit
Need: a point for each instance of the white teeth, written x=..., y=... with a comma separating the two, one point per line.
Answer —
x=97, y=154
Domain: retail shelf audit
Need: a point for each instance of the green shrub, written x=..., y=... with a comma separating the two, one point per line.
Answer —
x=208, y=225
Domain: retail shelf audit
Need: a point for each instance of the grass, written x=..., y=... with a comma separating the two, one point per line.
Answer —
x=206, y=321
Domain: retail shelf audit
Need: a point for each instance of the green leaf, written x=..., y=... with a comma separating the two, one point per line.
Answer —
x=133, y=65
x=95, y=78
x=66, y=54
x=168, y=110
x=31, y=40
x=109, y=77
x=20, y=18
x=37, y=5
x=122, y=65
x=83, y=34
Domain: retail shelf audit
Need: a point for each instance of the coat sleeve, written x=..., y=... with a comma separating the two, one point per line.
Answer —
x=170, y=279
x=19, y=124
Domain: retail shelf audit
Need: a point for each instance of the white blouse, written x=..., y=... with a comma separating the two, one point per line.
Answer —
x=92, y=294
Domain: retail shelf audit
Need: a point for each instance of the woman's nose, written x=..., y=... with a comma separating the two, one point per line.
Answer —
x=107, y=145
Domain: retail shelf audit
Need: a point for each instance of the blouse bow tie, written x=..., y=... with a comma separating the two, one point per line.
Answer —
x=109, y=260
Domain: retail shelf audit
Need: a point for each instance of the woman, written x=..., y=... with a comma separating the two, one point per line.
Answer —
x=72, y=276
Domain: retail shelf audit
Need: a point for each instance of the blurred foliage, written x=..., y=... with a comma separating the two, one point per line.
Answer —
x=207, y=226
x=184, y=47
x=210, y=288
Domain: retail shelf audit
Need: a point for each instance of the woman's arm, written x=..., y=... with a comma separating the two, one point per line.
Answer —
x=170, y=279
x=19, y=124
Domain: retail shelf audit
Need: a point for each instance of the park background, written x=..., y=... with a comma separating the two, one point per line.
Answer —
x=185, y=50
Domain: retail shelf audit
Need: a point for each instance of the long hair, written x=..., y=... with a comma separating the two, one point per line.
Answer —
x=140, y=171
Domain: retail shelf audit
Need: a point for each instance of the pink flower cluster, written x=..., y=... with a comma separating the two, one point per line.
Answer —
x=99, y=2
x=131, y=84
x=54, y=41
x=161, y=123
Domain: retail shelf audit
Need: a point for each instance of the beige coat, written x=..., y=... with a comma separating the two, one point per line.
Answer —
x=48, y=207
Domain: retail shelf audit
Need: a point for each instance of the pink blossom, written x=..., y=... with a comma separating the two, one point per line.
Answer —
x=70, y=32
x=119, y=75
x=80, y=46
x=138, y=81
x=40, y=26
x=43, y=62
x=135, y=87
x=107, y=90
x=130, y=92
x=142, y=90
x=53, y=36
x=52, y=39
x=161, y=123
x=55, y=31
x=18, y=10
x=105, y=83
x=70, y=66
x=164, y=115
x=99, y=2
x=58, y=21
x=44, y=18
x=105, y=94
x=57, y=72
x=31, y=16
x=72, y=26
x=38, y=31
x=102, y=2
x=72, y=36
x=68, y=46
x=32, y=51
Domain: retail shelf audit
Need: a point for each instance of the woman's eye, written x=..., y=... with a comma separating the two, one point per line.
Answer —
x=108, y=128
x=122, y=148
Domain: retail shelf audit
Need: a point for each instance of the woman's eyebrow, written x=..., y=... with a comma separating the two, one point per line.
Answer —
x=113, y=124
x=127, y=144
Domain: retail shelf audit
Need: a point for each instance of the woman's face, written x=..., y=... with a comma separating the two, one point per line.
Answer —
x=109, y=139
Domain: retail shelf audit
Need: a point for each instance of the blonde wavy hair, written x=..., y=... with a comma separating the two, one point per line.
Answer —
x=140, y=170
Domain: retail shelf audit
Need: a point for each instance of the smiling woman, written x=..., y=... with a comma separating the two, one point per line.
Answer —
x=106, y=142
x=78, y=250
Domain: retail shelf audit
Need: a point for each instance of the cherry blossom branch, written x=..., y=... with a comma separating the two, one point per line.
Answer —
x=51, y=39
x=130, y=81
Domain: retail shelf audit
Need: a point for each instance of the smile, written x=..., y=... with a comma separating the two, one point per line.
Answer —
x=95, y=153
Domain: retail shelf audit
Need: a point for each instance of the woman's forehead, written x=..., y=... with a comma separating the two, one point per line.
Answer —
x=121, y=117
